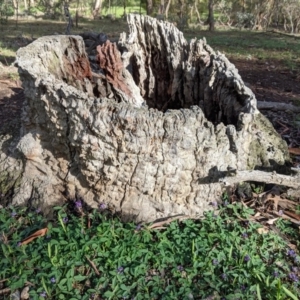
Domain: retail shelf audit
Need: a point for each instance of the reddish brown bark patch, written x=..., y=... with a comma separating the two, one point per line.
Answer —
x=78, y=69
x=76, y=64
x=110, y=61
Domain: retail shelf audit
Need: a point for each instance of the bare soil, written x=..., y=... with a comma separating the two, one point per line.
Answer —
x=11, y=100
x=274, y=82
x=270, y=81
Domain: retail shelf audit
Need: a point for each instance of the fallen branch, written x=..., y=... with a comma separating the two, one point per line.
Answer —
x=283, y=33
x=5, y=291
x=167, y=220
x=35, y=235
x=261, y=176
x=93, y=266
x=277, y=106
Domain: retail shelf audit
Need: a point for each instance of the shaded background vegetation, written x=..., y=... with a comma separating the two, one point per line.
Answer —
x=252, y=14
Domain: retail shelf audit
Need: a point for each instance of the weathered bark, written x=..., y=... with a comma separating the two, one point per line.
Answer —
x=150, y=131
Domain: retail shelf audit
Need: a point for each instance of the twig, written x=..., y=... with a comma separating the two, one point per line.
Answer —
x=93, y=266
x=159, y=225
x=261, y=176
x=5, y=291
x=284, y=216
x=29, y=283
x=89, y=222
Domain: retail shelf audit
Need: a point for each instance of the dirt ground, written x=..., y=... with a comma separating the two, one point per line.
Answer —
x=269, y=82
x=275, y=83
x=11, y=99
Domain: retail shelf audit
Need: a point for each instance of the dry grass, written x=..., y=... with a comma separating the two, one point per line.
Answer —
x=237, y=44
x=13, y=37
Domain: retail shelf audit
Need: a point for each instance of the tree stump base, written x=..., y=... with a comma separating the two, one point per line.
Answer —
x=151, y=130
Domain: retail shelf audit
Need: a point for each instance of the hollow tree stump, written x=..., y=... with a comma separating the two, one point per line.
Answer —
x=150, y=131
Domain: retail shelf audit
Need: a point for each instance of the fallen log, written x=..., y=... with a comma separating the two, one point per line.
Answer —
x=275, y=106
x=261, y=176
x=148, y=128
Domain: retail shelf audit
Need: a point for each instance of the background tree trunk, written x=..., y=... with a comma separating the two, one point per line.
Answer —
x=149, y=7
x=97, y=9
x=167, y=9
x=151, y=130
x=211, y=19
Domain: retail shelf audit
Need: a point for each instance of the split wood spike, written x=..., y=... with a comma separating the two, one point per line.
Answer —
x=68, y=16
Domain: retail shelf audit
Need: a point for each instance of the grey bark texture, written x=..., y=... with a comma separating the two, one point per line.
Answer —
x=151, y=131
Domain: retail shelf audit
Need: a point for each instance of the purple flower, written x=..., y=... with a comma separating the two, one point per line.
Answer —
x=120, y=270
x=138, y=227
x=214, y=204
x=13, y=214
x=78, y=204
x=180, y=268
x=280, y=212
x=43, y=294
x=294, y=269
x=291, y=253
x=247, y=258
x=19, y=244
x=215, y=261
x=102, y=206
x=293, y=277
x=245, y=235
x=38, y=210
x=224, y=276
x=65, y=220
x=276, y=274
x=243, y=287
x=53, y=280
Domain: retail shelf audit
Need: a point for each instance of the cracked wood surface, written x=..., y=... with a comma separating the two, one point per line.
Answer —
x=82, y=136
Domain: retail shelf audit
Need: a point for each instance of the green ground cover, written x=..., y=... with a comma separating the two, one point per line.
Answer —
x=93, y=255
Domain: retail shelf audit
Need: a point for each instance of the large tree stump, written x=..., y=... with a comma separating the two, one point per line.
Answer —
x=151, y=131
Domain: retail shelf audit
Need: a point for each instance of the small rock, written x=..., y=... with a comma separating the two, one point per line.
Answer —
x=15, y=295
x=25, y=294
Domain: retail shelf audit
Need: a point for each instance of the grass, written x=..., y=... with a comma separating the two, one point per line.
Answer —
x=118, y=11
x=93, y=255
x=12, y=37
x=248, y=45
x=236, y=44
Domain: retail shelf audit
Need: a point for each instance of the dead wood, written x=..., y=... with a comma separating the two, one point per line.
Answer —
x=109, y=58
x=283, y=33
x=261, y=176
x=150, y=125
x=275, y=106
